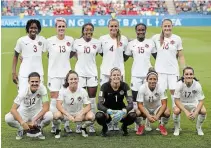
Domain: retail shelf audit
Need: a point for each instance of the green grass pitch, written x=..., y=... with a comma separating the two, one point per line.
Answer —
x=197, y=50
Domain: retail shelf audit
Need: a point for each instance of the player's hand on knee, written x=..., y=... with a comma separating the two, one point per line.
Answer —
x=25, y=126
x=15, y=78
x=188, y=114
x=71, y=118
x=151, y=119
x=110, y=111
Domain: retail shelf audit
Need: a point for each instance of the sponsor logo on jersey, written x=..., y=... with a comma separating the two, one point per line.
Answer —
x=94, y=46
x=79, y=98
x=40, y=43
x=146, y=45
x=172, y=42
x=121, y=92
x=68, y=43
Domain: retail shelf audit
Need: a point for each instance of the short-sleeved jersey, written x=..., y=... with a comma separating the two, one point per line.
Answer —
x=112, y=55
x=166, y=61
x=31, y=102
x=141, y=52
x=190, y=95
x=86, y=51
x=31, y=51
x=114, y=99
x=59, y=55
x=73, y=102
x=151, y=99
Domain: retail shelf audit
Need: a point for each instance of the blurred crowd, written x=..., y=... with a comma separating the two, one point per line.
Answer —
x=101, y=7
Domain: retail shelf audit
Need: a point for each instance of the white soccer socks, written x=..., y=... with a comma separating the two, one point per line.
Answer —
x=176, y=119
x=199, y=123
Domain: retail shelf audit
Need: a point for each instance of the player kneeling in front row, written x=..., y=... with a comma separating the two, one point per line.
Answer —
x=30, y=111
x=189, y=98
x=70, y=105
x=111, y=105
x=152, y=104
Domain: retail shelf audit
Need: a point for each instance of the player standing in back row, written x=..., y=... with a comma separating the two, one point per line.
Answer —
x=168, y=47
x=113, y=46
x=30, y=47
x=59, y=48
x=86, y=49
x=141, y=50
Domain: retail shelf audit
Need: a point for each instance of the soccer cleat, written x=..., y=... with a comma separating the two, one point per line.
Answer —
x=84, y=132
x=92, y=129
x=104, y=131
x=148, y=126
x=57, y=134
x=176, y=132
x=115, y=127
x=67, y=129
x=19, y=135
x=41, y=136
x=124, y=129
x=163, y=130
x=78, y=129
x=140, y=130
x=200, y=132
x=53, y=130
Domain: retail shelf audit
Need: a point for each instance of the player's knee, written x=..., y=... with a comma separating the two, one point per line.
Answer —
x=176, y=110
x=9, y=118
x=203, y=111
x=167, y=113
x=57, y=115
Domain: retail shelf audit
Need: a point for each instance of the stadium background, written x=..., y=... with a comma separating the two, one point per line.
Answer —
x=196, y=43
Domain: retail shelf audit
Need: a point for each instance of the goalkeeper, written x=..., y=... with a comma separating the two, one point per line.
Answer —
x=111, y=104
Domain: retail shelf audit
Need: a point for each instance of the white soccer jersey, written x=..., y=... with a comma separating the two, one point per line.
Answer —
x=59, y=55
x=141, y=52
x=31, y=102
x=151, y=99
x=86, y=51
x=112, y=56
x=166, y=61
x=73, y=102
x=31, y=51
x=190, y=95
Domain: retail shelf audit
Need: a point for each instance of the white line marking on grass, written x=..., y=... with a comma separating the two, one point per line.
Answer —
x=7, y=52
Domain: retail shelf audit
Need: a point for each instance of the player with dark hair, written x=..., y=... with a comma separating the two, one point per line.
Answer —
x=86, y=49
x=141, y=50
x=113, y=46
x=189, y=98
x=30, y=109
x=152, y=103
x=31, y=47
x=59, y=49
x=70, y=105
x=111, y=104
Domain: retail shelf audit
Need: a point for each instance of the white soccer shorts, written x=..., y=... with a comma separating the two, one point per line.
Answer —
x=55, y=84
x=88, y=81
x=167, y=81
x=136, y=82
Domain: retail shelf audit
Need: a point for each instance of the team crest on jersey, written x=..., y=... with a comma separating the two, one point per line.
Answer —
x=156, y=94
x=194, y=91
x=40, y=43
x=38, y=95
x=120, y=43
x=146, y=45
x=172, y=42
x=94, y=46
x=68, y=43
x=79, y=98
x=121, y=92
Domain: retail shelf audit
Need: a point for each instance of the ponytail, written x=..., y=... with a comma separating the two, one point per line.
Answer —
x=118, y=37
x=161, y=38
